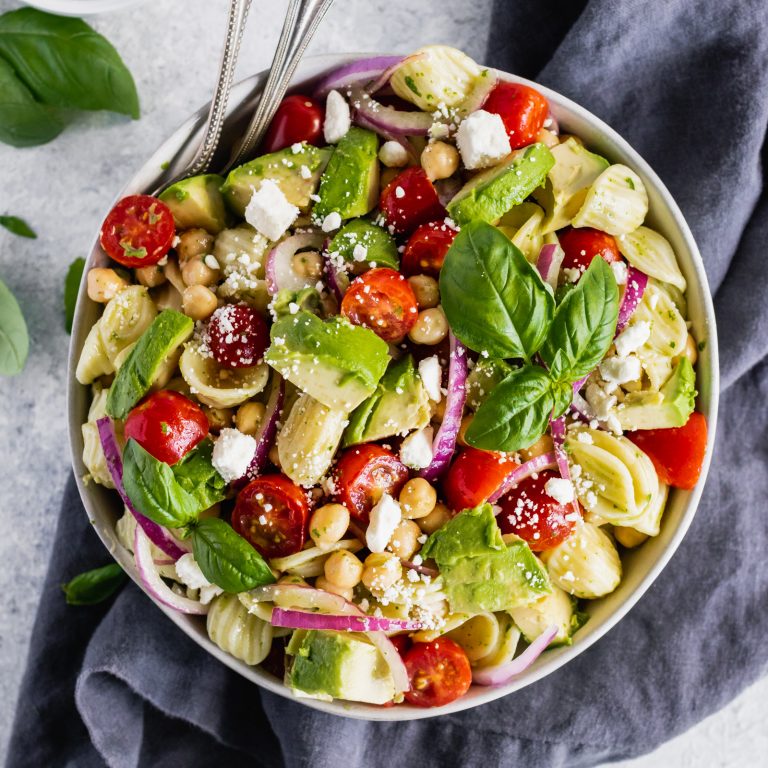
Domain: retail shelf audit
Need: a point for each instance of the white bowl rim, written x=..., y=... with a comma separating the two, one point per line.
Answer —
x=82, y=7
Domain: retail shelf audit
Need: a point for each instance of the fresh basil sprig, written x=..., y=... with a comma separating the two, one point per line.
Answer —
x=94, y=586
x=71, y=288
x=14, y=339
x=18, y=227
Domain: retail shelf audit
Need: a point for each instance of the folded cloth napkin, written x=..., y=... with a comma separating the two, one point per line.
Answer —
x=687, y=84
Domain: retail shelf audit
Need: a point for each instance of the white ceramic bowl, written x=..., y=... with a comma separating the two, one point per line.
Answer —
x=82, y=7
x=641, y=566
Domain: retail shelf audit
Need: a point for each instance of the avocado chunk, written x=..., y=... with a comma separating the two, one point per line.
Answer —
x=306, y=299
x=338, y=665
x=481, y=572
x=567, y=184
x=660, y=410
x=169, y=330
x=350, y=184
x=490, y=194
x=399, y=405
x=363, y=241
x=197, y=202
x=285, y=168
x=335, y=362
x=486, y=375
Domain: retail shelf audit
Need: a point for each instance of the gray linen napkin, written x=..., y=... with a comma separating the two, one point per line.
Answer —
x=687, y=84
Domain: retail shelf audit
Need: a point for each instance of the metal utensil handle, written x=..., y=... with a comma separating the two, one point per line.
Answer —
x=301, y=21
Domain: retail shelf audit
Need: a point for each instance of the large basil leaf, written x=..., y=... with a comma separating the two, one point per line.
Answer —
x=18, y=226
x=14, y=340
x=495, y=301
x=584, y=325
x=94, y=586
x=196, y=475
x=71, y=287
x=226, y=558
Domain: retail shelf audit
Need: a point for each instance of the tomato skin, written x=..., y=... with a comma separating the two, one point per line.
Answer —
x=522, y=109
x=298, y=118
x=417, y=204
x=439, y=672
x=678, y=452
x=426, y=248
x=381, y=299
x=282, y=506
x=167, y=425
x=473, y=477
x=237, y=336
x=582, y=245
x=138, y=231
x=363, y=474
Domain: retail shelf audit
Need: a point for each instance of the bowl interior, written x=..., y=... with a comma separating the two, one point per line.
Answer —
x=641, y=566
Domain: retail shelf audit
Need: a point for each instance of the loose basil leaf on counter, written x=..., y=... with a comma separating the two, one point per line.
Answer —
x=94, y=586
x=18, y=226
x=495, y=301
x=226, y=558
x=71, y=287
x=196, y=475
x=14, y=339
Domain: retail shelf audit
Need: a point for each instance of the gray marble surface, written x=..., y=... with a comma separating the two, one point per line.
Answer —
x=62, y=189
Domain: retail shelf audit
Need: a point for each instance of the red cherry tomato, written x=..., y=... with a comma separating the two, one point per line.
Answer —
x=409, y=200
x=237, y=336
x=425, y=252
x=298, y=118
x=271, y=513
x=582, y=245
x=138, y=231
x=439, y=673
x=531, y=513
x=677, y=452
x=522, y=109
x=364, y=474
x=381, y=299
x=167, y=425
x=474, y=476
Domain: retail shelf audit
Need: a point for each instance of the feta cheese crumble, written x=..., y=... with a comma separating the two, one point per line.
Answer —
x=416, y=449
x=191, y=576
x=232, y=453
x=337, y=118
x=385, y=517
x=620, y=272
x=331, y=221
x=559, y=489
x=482, y=140
x=632, y=338
x=431, y=377
x=619, y=370
x=269, y=212
x=393, y=154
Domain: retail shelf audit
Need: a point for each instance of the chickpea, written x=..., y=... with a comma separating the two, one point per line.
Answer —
x=328, y=524
x=381, y=571
x=249, y=417
x=426, y=291
x=548, y=138
x=417, y=499
x=465, y=422
x=565, y=136
x=292, y=578
x=104, y=284
x=218, y=418
x=328, y=586
x=307, y=264
x=274, y=456
x=166, y=296
x=393, y=154
x=387, y=175
x=430, y=328
x=405, y=540
x=343, y=569
x=436, y=519
x=629, y=537
x=543, y=445
x=198, y=302
x=439, y=160
x=195, y=271
x=150, y=276
x=194, y=242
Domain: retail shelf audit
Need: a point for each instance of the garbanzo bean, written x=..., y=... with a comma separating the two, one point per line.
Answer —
x=629, y=537
x=430, y=328
x=381, y=571
x=417, y=499
x=436, y=519
x=104, y=284
x=249, y=417
x=328, y=586
x=194, y=242
x=195, y=271
x=328, y=524
x=426, y=291
x=543, y=445
x=439, y=160
x=307, y=264
x=405, y=540
x=150, y=276
x=198, y=302
x=343, y=569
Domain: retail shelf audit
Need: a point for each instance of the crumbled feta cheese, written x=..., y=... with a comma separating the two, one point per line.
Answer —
x=399, y=193
x=431, y=377
x=585, y=437
x=232, y=453
x=331, y=221
x=618, y=370
x=620, y=272
x=482, y=140
x=559, y=489
x=337, y=118
x=269, y=212
x=571, y=274
x=632, y=338
x=600, y=401
x=393, y=154
x=416, y=449
x=191, y=576
x=385, y=517
x=359, y=252
x=305, y=172
x=211, y=262
x=297, y=147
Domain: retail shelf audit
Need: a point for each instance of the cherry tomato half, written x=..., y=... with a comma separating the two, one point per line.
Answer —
x=439, y=673
x=677, y=452
x=237, y=336
x=364, y=474
x=532, y=514
x=298, y=118
x=167, y=425
x=138, y=231
x=381, y=299
x=582, y=245
x=271, y=513
x=474, y=476
x=522, y=109
x=425, y=252
x=410, y=199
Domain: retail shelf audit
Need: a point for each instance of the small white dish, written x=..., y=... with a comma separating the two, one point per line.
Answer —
x=82, y=7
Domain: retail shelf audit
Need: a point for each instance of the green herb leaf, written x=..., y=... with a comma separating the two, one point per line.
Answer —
x=584, y=325
x=226, y=558
x=494, y=300
x=18, y=226
x=196, y=475
x=14, y=340
x=94, y=586
x=71, y=287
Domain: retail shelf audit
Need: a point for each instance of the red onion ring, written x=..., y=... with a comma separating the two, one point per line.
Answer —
x=420, y=568
x=356, y=72
x=384, y=78
x=637, y=282
x=279, y=270
x=287, y=617
x=503, y=673
x=532, y=467
x=265, y=434
x=335, y=279
x=548, y=263
x=369, y=113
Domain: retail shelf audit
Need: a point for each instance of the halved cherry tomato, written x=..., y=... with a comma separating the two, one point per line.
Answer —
x=474, y=476
x=677, y=452
x=138, y=231
x=522, y=109
x=409, y=200
x=271, y=513
x=425, y=252
x=237, y=336
x=532, y=514
x=439, y=673
x=364, y=474
x=167, y=425
x=298, y=118
x=381, y=299
x=582, y=245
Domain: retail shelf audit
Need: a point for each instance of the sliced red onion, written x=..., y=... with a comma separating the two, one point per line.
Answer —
x=444, y=444
x=582, y=409
x=336, y=280
x=548, y=263
x=390, y=122
x=447, y=189
x=577, y=385
x=431, y=572
x=358, y=72
x=158, y=535
x=265, y=434
x=532, y=467
x=503, y=673
x=286, y=617
x=557, y=429
x=279, y=267
x=633, y=294
x=480, y=92
x=552, y=125
x=384, y=78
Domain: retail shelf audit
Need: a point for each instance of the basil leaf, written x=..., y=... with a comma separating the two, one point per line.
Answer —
x=226, y=558
x=195, y=473
x=562, y=394
x=71, y=288
x=14, y=340
x=584, y=325
x=495, y=301
x=65, y=63
x=17, y=226
x=515, y=414
x=94, y=586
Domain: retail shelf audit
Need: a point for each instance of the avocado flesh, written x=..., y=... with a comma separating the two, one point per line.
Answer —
x=380, y=247
x=197, y=202
x=482, y=379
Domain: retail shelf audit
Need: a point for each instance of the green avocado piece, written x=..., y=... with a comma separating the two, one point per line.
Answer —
x=169, y=330
x=377, y=246
x=197, y=202
x=285, y=168
x=399, y=405
x=483, y=378
x=337, y=363
x=350, y=184
x=306, y=299
x=490, y=194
